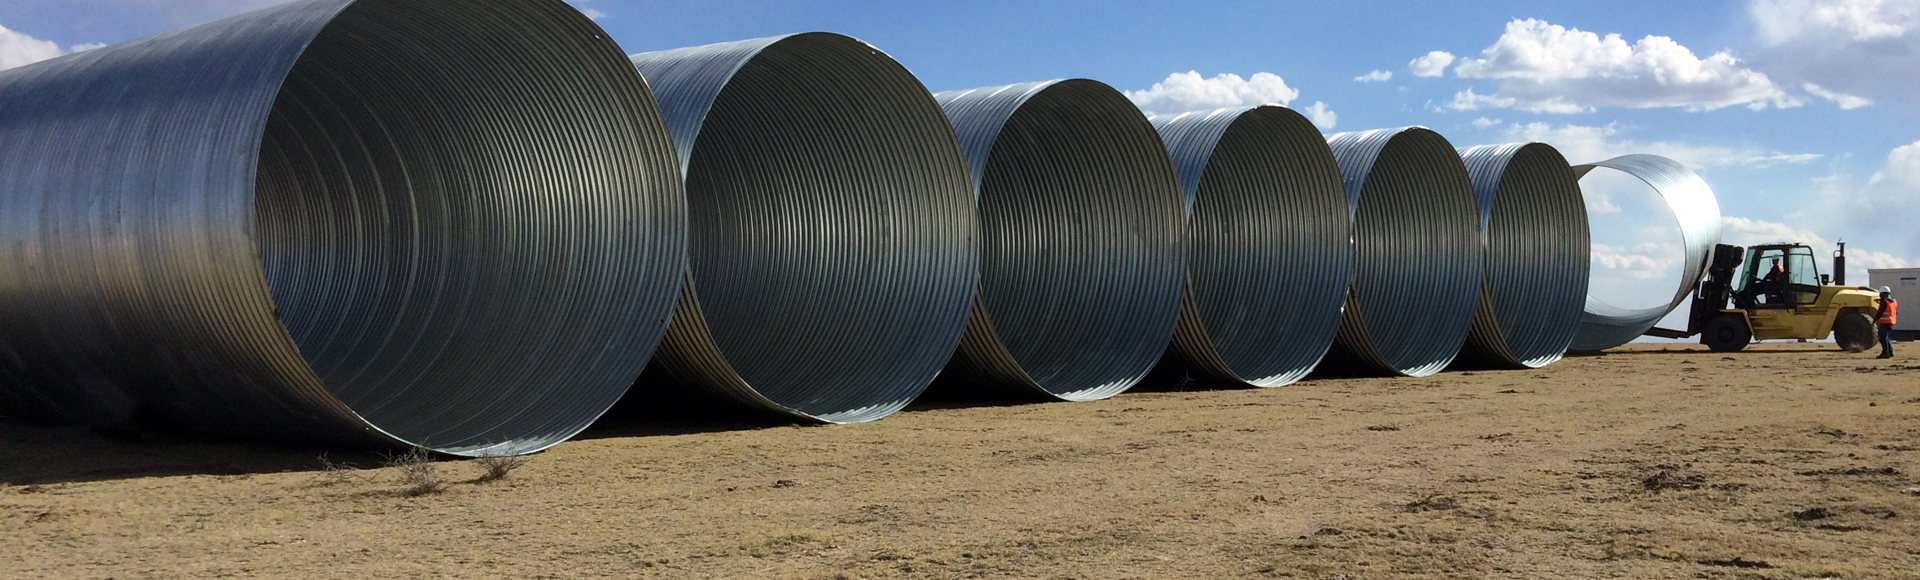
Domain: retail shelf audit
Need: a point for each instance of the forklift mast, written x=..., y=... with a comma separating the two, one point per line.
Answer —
x=1716, y=289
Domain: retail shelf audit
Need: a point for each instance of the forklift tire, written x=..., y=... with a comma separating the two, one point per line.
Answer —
x=1853, y=330
x=1726, y=333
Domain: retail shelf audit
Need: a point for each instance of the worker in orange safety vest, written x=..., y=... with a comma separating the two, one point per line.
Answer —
x=1889, y=316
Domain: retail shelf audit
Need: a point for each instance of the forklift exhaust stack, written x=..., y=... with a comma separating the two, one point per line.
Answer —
x=1840, y=265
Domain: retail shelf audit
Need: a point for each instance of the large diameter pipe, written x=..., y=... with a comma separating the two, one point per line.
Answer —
x=454, y=224
x=832, y=252
x=1080, y=226
x=1603, y=325
x=1270, y=250
x=1533, y=228
x=1417, y=273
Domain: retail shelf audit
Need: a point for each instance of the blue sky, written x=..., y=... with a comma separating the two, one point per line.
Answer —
x=1800, y=113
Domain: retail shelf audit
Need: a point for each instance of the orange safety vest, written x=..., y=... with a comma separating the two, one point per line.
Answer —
x=1890, y=312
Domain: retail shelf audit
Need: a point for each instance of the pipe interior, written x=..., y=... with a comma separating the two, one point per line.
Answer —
x=1270, y=254
x=1080, y=212
x=457, y=211
x=1537, y=253
x=1417, y=276
x=830, y=221
x=1638, y=214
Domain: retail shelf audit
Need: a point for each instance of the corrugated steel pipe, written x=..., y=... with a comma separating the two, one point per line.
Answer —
x=1603, y=325
x=1081, y=225
x=1269, y=243
x=1533, y=226
x=446, y=223
x=1417, y=272
x=832, y=251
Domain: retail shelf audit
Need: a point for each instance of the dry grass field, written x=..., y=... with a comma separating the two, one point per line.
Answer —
x=1655, y=461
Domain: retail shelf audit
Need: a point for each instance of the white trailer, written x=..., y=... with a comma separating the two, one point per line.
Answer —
x=1905, y=283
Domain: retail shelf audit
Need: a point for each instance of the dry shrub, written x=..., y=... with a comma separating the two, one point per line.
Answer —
x=417, y=472
x=498, y=466
x=339, y=473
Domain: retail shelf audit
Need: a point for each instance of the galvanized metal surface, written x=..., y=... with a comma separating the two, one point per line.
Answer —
x=1533, y=226
x=1270, y=250
x=1694, y=207
x=446, y=223
x=1418, y=267
x=832, y=230
x=1081, y=236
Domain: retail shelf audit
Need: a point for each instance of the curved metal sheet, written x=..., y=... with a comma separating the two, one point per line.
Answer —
x=1697, y=211
x=1081, y=236
x=447, y=223
x=1418, y=266
x=1533, y=228
x=1270, y=250
x=832, y=252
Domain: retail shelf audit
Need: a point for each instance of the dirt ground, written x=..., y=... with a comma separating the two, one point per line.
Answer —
x=1656, y=461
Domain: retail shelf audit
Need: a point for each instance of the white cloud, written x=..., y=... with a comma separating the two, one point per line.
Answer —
x=1853, y=47
x=1583, y=144
x=1845, y=101
x=1548, y=68
x=1375, y=76
x=1642, y=263
x=1188, y=91
x=1640, y=270
x=1322, y=116
x=1782, y=21
x=1433, y=64
x=1878, y=215
x=19, y=49
x=1903, y=168
x=1484, y=122
x=1599, y=202
x=1468, y=100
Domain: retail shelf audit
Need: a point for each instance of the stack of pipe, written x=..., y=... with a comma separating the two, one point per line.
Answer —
x=466, y=225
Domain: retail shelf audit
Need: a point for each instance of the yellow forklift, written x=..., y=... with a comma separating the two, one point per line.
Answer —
x=1779, y=294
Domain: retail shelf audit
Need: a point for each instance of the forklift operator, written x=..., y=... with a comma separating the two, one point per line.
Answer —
x=1774, y=285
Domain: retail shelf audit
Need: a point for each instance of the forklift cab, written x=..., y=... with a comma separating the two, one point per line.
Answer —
x=1797, y=285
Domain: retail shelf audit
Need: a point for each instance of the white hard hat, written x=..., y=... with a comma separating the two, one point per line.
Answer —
x=1886, y=289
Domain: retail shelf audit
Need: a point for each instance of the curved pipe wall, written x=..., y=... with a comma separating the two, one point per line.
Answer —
x=1269, y=243
x=1417, y=272
x=1604, y=326
x=1533, y=227
x=445, y=223
x=1080, y=226
x=832, y=258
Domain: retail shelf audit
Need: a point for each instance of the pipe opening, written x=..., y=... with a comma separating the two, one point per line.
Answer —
x=1080, y=223
x=1418, y=266
x=831, y=252
x=1270, y=254
x=1639, y=249
x=1695, y=212
x=469, y=220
